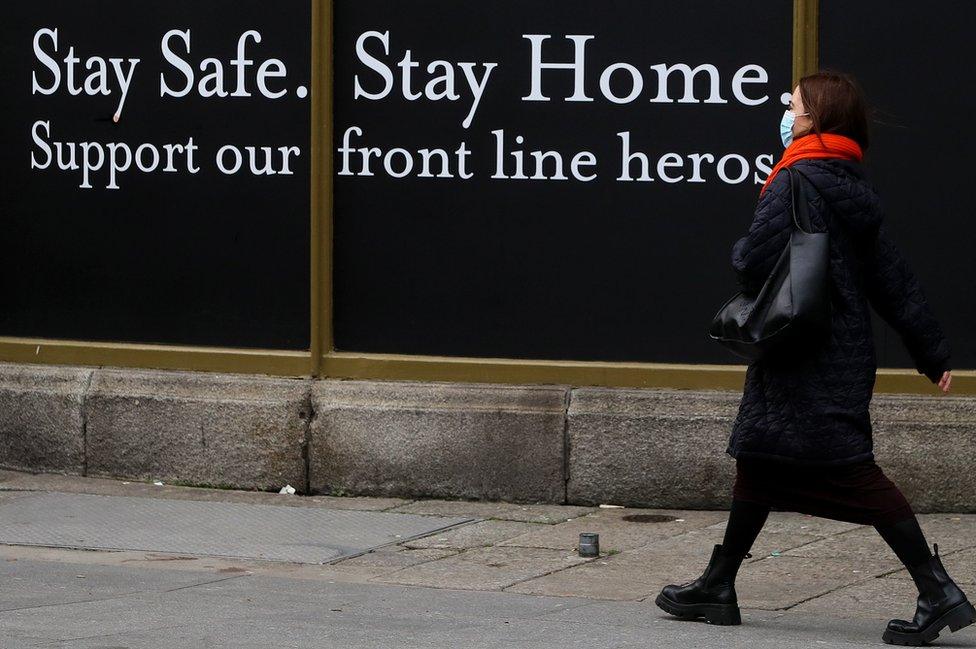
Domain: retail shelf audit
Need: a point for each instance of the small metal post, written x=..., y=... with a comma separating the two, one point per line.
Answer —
x=589, y=544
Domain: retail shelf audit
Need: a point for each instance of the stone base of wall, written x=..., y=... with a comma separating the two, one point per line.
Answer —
x=530, y=443
x=647, y=447
x=446, y=440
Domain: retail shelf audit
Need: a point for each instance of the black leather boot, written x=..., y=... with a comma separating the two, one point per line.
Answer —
x=940, y=604
x=711, y=596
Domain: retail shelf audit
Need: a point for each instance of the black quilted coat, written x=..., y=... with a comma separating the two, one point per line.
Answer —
x=814, y=410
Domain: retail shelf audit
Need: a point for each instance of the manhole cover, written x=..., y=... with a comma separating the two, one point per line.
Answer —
x=649, y=518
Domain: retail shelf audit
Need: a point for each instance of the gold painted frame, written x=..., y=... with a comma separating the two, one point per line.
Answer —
x=322, y=359
x=354, y=365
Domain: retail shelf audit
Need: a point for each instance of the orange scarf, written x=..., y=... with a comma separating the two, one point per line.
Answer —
x=810, y=146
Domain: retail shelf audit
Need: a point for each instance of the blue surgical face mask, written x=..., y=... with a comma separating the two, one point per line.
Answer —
x=786, y=126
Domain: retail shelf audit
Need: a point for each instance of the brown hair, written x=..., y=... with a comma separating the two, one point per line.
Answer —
x=836, y=104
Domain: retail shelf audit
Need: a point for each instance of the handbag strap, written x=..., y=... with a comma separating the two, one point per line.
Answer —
x=801, y=217
x=834, y=221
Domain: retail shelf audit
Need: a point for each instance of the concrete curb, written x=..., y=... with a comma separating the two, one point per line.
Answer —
x=42, y=421
x=521, y=443
x=488, y=441
x=203, y=429
x=927, y=446
x=648, y=447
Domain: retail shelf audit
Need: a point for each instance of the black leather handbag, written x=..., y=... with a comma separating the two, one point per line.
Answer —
x=792, y=310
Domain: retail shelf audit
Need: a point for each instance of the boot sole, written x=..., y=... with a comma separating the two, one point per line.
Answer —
x=722, y=614
x=959, y=616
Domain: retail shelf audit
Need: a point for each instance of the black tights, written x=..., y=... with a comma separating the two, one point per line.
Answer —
x=907, y=540
x=747, y=518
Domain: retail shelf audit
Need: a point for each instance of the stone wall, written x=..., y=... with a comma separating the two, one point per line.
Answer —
x=523, y=443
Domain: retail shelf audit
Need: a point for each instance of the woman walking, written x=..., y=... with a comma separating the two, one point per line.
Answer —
x=802, y=437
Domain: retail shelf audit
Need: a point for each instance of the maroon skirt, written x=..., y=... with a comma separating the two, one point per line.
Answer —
x=857, y=493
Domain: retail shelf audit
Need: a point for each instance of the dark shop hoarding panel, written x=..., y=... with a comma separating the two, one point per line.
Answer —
x=914, y=64
x=156, y=171
x=482, y=203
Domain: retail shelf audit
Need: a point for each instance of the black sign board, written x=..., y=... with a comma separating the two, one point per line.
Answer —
x=551, y=179
x=914, y=65
x=155, y=171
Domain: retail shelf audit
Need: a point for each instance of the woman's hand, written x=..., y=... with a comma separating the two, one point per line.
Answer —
x=945, y=382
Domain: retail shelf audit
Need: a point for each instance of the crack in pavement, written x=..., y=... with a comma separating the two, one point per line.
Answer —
x=825, y=593
x=204, y=583
x=121, y=595
x=79, y=601
x=113, y=633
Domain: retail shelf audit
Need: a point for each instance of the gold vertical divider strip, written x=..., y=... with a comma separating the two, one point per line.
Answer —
x=322, y=179
x=806, y=36
x=315, y=190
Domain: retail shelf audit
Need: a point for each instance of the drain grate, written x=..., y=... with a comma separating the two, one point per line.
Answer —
x=266, y=532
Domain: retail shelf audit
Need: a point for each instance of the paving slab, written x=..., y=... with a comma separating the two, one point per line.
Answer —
x=208, y=567
x=549, y=514
x=257, y=612
x=485, y=569
x=642, y=572
x=6, y=496
x=474, y=535
x=358, y=503
x=616, y=532
x=865, y=542
x=11, y=481
x=802, y=523
x=832, y=584
x=617, y=577
x=383, y=561
x=783, y=582
x=876, y=599
x=696, y=546
x=950, y=531
x=306, y=535
x=960, y=565
x=80, y=583
x=645, y=615
x=772, y=539
x=856, y=545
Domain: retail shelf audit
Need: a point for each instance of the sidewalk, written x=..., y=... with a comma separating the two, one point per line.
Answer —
x=501, y=574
